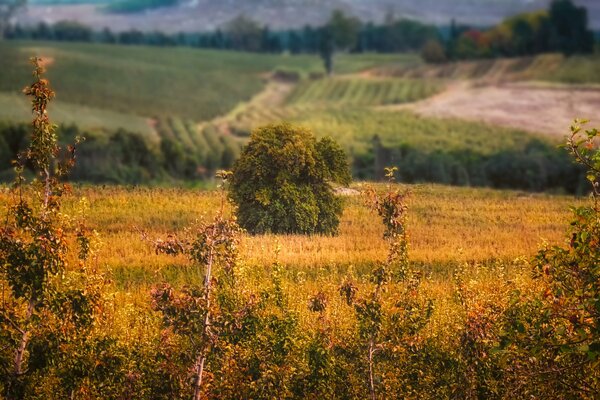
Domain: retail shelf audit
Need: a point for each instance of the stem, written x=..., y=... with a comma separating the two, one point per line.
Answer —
x=200, y=361
x=18, y=366
x=371, y=379
x=47, y=188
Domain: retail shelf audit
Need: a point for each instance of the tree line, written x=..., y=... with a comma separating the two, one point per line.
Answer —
x=561, y=28
x=132, y=160
x=242, y=33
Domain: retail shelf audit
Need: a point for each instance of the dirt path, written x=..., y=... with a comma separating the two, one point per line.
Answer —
x=273, y=95
x=529, y=106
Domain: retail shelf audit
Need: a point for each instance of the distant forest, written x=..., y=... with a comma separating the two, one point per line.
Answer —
x=561, y=28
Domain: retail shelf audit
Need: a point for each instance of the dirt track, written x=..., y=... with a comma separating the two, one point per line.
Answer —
x=527, y=106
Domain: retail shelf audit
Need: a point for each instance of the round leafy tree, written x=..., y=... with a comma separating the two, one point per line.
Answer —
x=282, y=182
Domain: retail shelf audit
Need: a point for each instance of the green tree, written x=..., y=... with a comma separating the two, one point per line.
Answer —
x=340, y=34
x=192, y=312
x=244, y=33
x=552, y=340
x=569, y=23
x=281, y=182
x=50, y=292
x=385, y=323
x=433, y=52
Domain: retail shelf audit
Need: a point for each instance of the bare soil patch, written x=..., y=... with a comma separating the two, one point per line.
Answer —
x=532, y=107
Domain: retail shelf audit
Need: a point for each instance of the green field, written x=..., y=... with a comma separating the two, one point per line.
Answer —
x=196, y=108
x=140, y=81
x=157, y=82
x=357, y=126
x=363, y=92
x=15, y=108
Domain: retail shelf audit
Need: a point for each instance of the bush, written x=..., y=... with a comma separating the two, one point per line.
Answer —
x=281, y=182
x=287, y=75
x=433, y=52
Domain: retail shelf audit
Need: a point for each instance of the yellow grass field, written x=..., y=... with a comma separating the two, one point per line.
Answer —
x=450, y=228
x=446, y=225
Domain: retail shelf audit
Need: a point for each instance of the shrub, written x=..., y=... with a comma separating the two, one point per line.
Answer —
x=552, y=339
x=433, y=52
x=51, y=289
x=281, y=182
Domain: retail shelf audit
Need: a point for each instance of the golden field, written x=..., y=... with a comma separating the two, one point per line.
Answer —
x=446, y=225
x=481, y=231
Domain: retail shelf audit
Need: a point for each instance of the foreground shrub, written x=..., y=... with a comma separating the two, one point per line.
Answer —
x=281, y=182
x=50, y=346
x=552, y=341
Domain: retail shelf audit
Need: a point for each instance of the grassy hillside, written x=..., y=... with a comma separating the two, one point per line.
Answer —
x=546, y=67
x=141, y=81
x=15, y=108
x=152, y=82
x=362, y=92
x=425, y=149
x=195, y=109
x=354, y=127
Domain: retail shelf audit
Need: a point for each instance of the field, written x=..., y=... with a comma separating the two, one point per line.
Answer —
x=15, y=108
x=452, y=124
x=131, y=88
x=474, y=309
x=362, y=92
x=545, y=67
x=511, y=105
x=448, y=226
x=473, y=241
x=137, y=80
x=154, y=82
x=355, y=127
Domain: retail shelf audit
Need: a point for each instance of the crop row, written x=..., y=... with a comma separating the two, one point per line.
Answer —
x=344, y=91
x=206, y=148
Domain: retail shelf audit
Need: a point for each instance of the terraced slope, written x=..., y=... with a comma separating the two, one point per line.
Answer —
x=362, y=91
x=546, y=67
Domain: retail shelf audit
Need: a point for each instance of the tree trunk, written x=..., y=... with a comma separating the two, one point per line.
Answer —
x=200, y=361
x=20, y=352
x=371, y=379
x=18, y=369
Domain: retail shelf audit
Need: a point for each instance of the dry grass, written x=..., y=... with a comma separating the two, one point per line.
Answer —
x=447, y=226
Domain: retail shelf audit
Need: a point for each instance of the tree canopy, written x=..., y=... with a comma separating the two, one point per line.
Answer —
x=282, y=182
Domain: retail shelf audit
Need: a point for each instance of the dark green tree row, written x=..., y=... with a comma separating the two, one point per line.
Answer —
x=561, y=28
x=123, y=157
x=245, y=34
x=539, y=166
